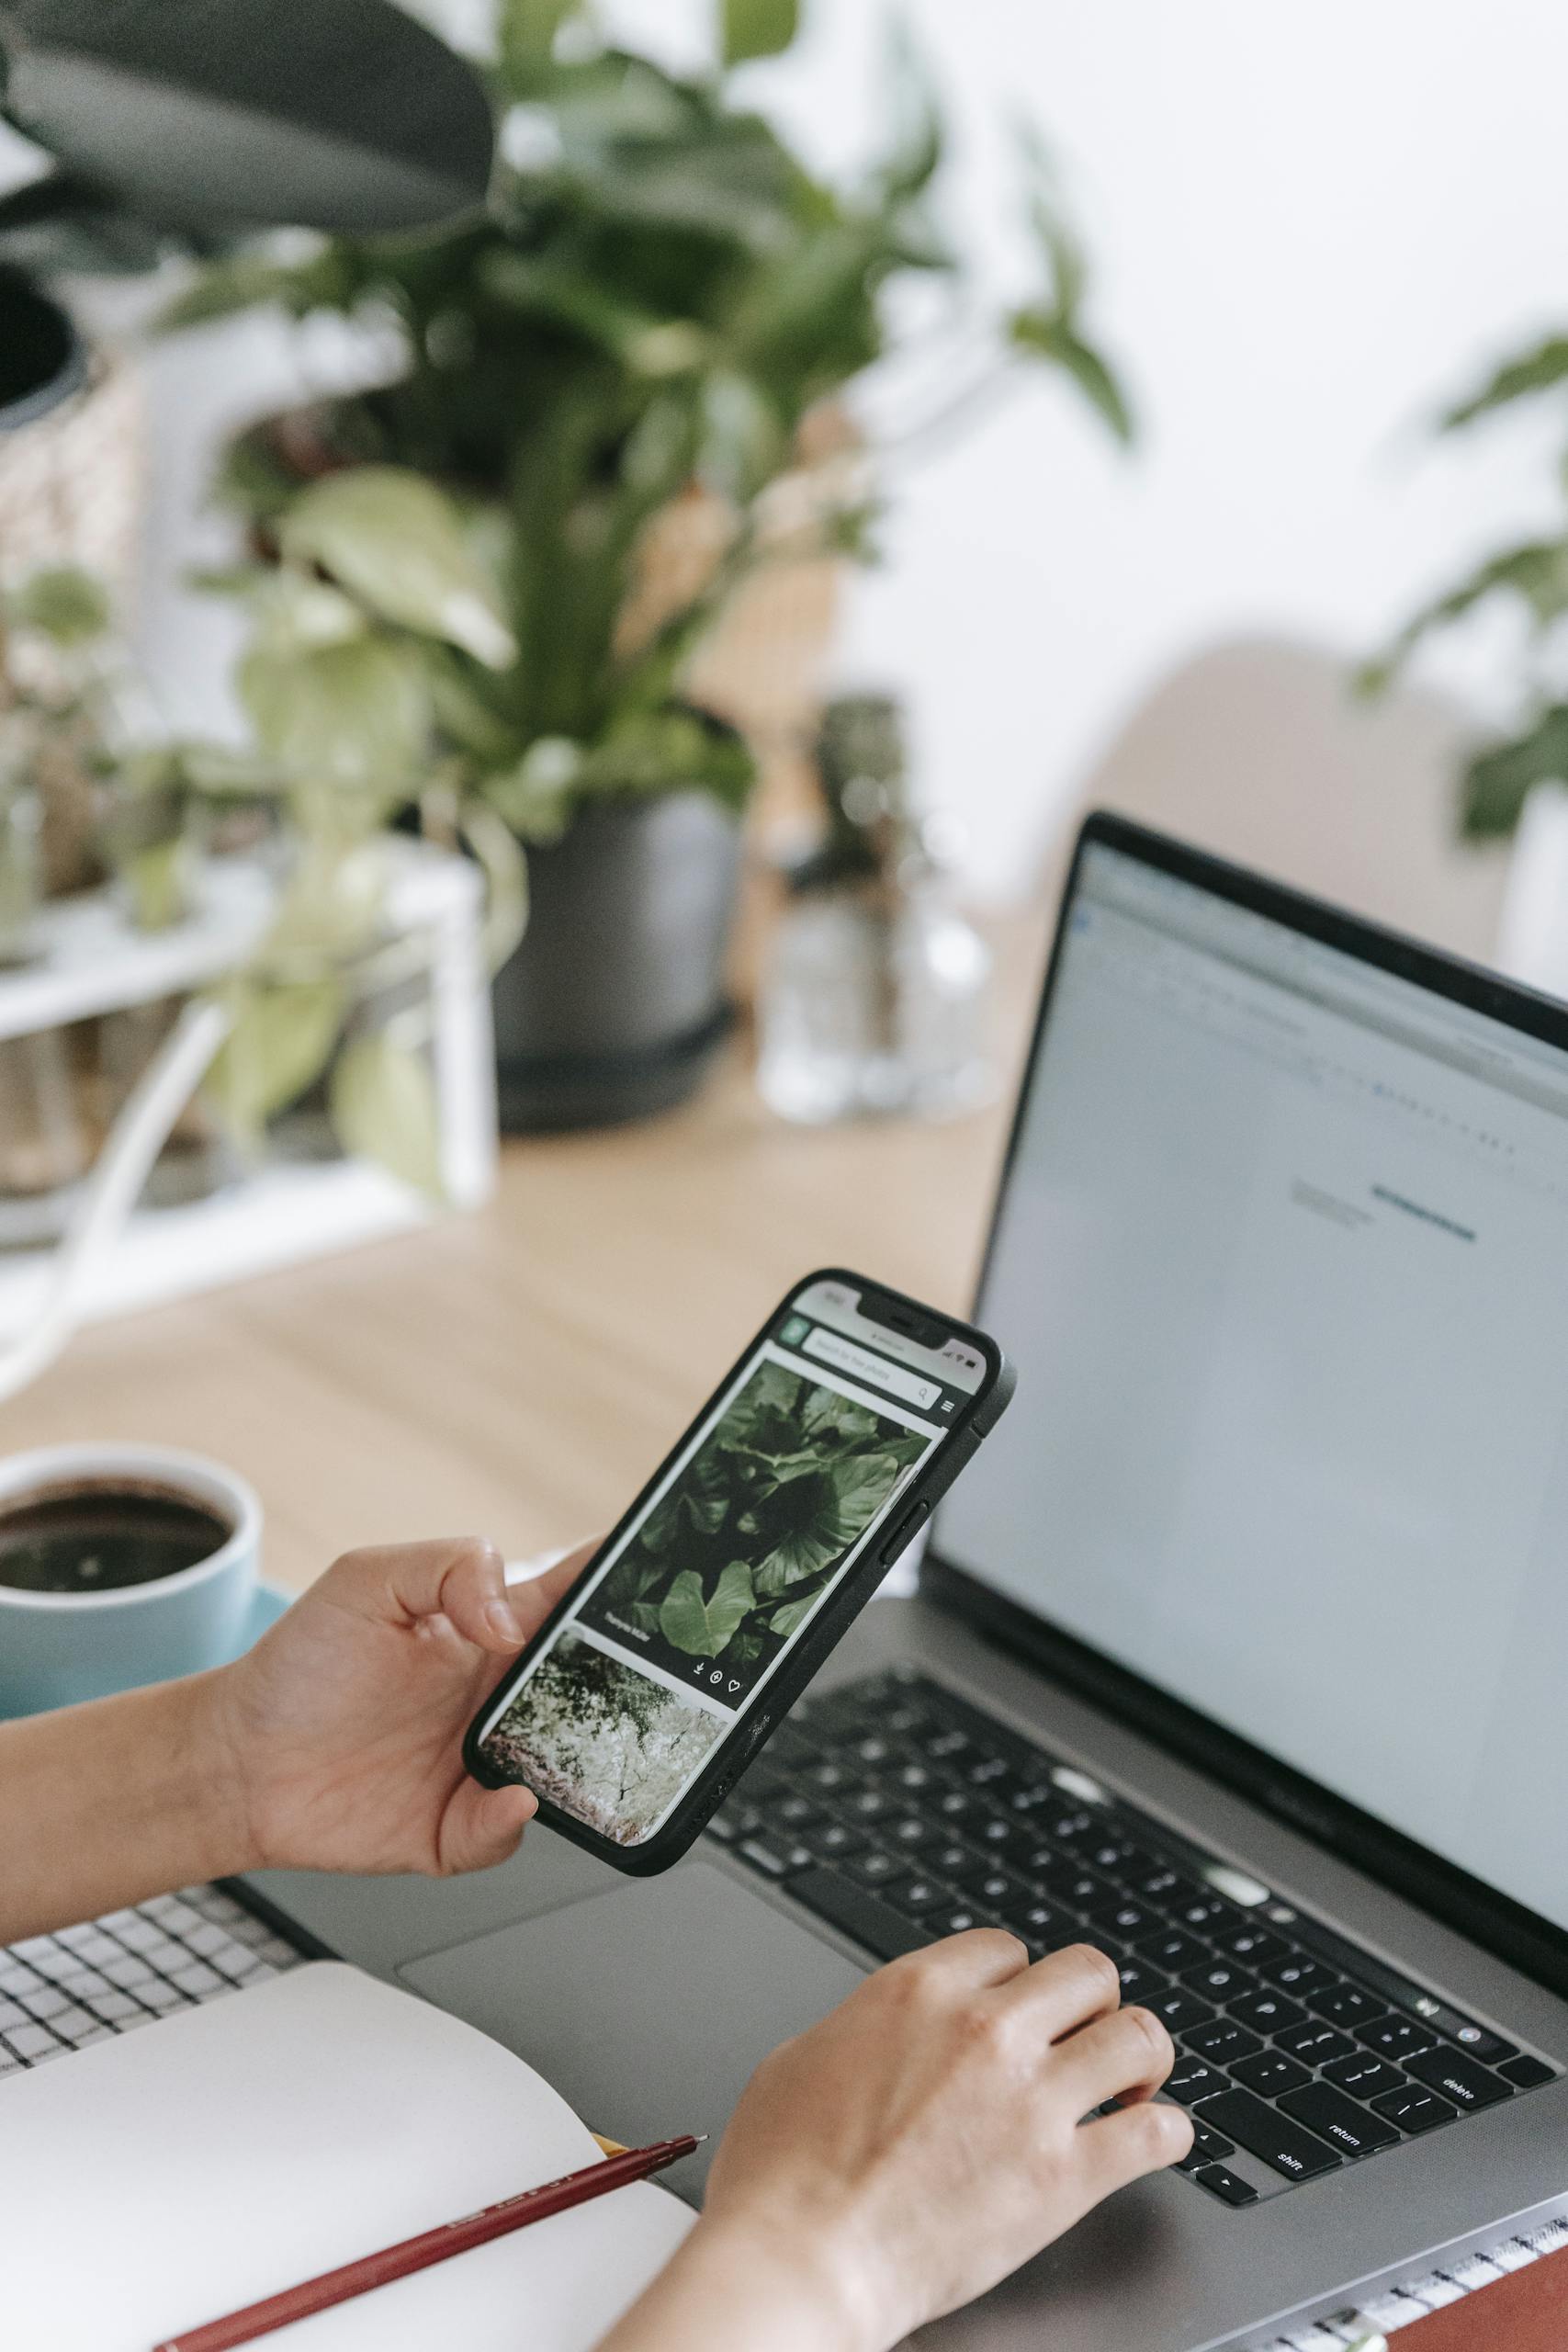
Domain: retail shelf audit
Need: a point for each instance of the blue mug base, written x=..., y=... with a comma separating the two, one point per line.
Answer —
x=266, y=1606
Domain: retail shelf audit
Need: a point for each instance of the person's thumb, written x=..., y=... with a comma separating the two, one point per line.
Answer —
x=482, y=1827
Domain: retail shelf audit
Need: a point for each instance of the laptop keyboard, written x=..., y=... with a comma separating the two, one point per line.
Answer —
x=897, y=1813
x=59, y=1993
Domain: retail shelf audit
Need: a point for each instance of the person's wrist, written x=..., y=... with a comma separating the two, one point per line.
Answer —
x=800, y=2273
x=218, y=1773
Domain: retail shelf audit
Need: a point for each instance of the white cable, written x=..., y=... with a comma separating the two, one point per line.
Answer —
x=145, y=1122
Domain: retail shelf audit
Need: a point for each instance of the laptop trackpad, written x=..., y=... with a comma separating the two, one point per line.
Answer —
x=648, y=2008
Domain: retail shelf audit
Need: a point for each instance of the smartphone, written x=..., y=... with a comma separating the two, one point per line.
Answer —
x=708, y=1609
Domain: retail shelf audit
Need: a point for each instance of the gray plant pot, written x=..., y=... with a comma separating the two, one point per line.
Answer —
x=615, y=1003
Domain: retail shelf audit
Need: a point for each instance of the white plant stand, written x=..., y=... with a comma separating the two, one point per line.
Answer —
x=91, y=961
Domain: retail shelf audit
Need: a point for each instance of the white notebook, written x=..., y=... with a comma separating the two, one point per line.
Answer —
x=152, y=2183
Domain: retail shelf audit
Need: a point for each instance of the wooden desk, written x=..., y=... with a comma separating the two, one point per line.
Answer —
x=520, y=1372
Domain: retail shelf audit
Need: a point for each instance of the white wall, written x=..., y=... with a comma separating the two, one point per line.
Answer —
x=1311, y=221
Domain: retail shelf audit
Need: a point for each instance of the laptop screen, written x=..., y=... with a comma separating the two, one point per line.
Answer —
x=1282, y=1259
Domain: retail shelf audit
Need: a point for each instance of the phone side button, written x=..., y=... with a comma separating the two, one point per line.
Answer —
x=904, y=1534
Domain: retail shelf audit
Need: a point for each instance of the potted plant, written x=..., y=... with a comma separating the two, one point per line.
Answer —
x=645, y=326
x=178, y=126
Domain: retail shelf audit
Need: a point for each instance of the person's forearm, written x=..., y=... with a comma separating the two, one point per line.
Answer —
x=108, y=1804
x=729, y=2287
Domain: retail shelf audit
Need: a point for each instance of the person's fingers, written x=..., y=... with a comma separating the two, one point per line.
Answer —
x=456, y=1576
x=482, y=1827
x=976, y=1961
x=1124, y=2055
x=532, y=1598
x=1068, y=1989
x=1114, y=2149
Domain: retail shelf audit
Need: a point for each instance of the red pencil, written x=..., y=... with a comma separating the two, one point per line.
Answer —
x=432, y=2245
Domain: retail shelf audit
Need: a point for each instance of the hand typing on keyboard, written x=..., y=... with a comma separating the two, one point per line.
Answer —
x=333, y=1745
x=913, y=2148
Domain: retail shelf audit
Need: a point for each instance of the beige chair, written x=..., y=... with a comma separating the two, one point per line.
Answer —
x=1260, y=751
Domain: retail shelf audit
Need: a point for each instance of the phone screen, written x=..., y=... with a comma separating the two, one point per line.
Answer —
x=692, y=1605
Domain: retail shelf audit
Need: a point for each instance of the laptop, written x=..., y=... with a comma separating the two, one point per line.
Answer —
x=1241, y=1651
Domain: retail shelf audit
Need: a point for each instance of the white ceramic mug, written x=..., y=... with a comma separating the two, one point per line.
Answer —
x=59, y=1647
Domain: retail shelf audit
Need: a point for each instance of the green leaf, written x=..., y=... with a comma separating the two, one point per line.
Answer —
x=526, y=39
x=342, y=115
x=700, y=1627
x=281, y=1035
x=58, y=224
x=396, y=542
x=1534, y=371
x=1499, y=782
x=1038, y=331
x=756, y=27
x=384, y=1108
x=792, y=1614
x=356, y=716
x=1537, y=573
x=62, y=603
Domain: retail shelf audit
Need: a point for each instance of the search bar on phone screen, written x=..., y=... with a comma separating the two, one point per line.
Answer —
x=831, y=1347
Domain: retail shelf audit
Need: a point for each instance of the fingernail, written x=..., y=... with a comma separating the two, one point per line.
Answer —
x=501, y=1619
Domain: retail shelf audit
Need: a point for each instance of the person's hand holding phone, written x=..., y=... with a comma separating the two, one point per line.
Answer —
x=339, y=1734
x=909, y=2151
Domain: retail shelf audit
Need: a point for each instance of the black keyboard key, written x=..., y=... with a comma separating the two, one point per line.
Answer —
x=1396, y=2038
x=1227, y=2185
x=917, y=1896
x=723, y=1827
x=1113, y=1856
x=1364, y=2076
x=1074, y=1828
x=1218, y=1980
x=1282, y=2143
x=873, y=1867
x=1173, y=1949
x=957, y=1805
x=945, y=1744
x=795, y=1811
x=1253, y=1945
x=1315, y=2043
x=993, y=1887
x=959, y=1919
x=834, y=1840
x=952, y=1858
x=1477, y=2042
x=1206, y=1913
x=997, y=1834
x=915, y=1777
x=1164, y=1886
x=1141, y=1983
x=1526, y=2074
x=1080, y=1890
x=1345, y=2005
x=911, y=1833
x=857, y=1914
x=1190, y=2080
x=827, y=1779
x=1267, y=2012
x=1223, y=2042
x=1179, y=2010
x=981, y=1770
x=1123, y=1917
x=1269, y=2074
x=1339, y=2119
x=1298, y=1975
x=1414, y=2110
x=1041, y=1923
x=865, y=1804
x=874, y=1750
x=1208, y=2147
x=1470, y=2085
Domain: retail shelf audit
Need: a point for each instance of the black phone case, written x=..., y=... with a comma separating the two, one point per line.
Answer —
x=740, y=1748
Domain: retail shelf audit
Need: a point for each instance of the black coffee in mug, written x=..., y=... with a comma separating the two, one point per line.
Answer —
x=103, y=1535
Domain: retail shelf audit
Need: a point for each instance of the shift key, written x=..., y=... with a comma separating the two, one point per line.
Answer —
x=1281, y=2144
